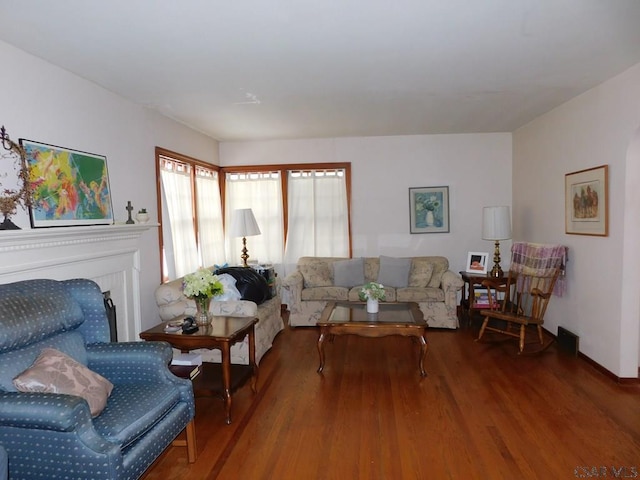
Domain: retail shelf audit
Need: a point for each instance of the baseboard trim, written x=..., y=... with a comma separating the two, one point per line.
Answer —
x=607, y=373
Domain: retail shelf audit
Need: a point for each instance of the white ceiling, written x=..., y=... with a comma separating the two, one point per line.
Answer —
x=263, y=69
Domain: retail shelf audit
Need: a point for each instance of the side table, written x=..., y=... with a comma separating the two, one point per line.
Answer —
x=221, y=334
x=471, y=281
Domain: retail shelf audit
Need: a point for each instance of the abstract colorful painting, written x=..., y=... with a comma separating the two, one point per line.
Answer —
x=70, y=187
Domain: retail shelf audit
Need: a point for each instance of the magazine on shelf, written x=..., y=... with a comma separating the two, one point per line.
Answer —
x=481, y=298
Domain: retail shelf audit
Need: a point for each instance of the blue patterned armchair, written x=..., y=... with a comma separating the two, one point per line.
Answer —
x=51, y=435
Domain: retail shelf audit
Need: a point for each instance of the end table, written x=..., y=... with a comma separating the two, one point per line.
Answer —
x=221, y=334
x=471, y=280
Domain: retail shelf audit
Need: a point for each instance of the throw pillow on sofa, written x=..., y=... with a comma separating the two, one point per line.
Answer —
x=421, y=272
x=251, y=285
x=316, y=272
x=348, y=273
x=56, y=372
x=394, y=272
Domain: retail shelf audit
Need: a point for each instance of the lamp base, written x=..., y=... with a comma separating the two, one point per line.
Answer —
x=245, y=254
x=496, y=271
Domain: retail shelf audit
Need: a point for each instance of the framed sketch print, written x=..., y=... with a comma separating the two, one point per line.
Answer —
x=477, y=262
x=587, y=201
x=70, y=187
x=429, y=209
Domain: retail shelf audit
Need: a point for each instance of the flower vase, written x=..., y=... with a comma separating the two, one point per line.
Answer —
x=372, y=305
x=429, y=219
x=202, y=316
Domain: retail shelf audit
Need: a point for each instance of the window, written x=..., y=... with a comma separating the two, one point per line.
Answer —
x=262, y=192
x=318, y=216
x=300, y=209
x=191, y=214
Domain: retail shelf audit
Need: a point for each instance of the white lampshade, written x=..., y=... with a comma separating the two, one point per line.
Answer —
x=496, y=223
x=243, y=223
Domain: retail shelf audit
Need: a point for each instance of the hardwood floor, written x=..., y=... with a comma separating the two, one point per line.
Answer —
x=482, y=412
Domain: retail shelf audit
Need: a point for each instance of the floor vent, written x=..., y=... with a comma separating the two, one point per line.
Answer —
x=568, y=341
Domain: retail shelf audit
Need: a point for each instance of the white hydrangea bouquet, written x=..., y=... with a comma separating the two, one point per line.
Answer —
x=372, y=291
x=202, y=285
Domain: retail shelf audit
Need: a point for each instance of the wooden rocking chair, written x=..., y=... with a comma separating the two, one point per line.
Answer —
x=521, y=302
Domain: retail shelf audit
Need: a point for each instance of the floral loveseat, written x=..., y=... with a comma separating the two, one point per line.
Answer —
x=424, y=280
x=172, y=303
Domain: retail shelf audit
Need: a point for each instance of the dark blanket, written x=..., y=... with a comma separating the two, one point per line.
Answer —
x=251, y=285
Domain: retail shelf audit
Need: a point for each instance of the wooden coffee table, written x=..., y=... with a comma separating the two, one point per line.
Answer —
x=221, y=334
x=351, y=318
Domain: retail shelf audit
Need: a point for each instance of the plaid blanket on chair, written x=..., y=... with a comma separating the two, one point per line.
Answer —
x=540, y=260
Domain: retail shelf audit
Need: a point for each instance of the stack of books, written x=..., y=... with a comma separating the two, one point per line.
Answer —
x=186, y=365
x=481, y=298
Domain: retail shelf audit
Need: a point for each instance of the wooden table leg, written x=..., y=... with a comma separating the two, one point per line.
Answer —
x=423, y=353
x=252, y=359
x=226, y=379
x=321, y=339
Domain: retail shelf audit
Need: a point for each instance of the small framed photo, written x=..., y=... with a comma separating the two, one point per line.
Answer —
x=477, y=262
x=429, y=209
x=587, y=202
x=70, y=187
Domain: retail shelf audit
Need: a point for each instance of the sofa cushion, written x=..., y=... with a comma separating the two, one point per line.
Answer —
x=421, y=272
x=55, y=372
x=325, y=293
x=16, y=361
x=415, y=294
x=50, y=309
x=371, y=269
x=389, y=294
x=394, y=272
x=133, y=409
x=440, y=265
x=347, y=273
x=316, y=272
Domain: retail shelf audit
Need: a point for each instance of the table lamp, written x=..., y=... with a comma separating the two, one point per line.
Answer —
x=244, y=225
x=496, y=225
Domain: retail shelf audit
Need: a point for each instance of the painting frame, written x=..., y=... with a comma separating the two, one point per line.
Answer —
x=587, y=202
x=70, y=187
x=477, y=262
x=423, y=200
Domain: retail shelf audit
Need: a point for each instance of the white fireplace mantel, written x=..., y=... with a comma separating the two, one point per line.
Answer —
x=107, y=254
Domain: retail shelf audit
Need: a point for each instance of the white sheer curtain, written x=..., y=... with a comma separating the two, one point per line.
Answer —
x=318, y=217
x=210, y=230
x=262, y=192
x=176, y=184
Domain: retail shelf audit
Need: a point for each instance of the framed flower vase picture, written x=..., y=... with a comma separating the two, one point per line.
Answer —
x=587, y=202
x=69, y=187
x=429, y=209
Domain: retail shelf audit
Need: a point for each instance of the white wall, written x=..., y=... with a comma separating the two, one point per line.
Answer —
x=42, y=102
x=477, y=169
x=593, y=129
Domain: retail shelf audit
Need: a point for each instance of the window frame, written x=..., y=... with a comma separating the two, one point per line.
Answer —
x=222, y=172
x=284, y=170
x=194, y=162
